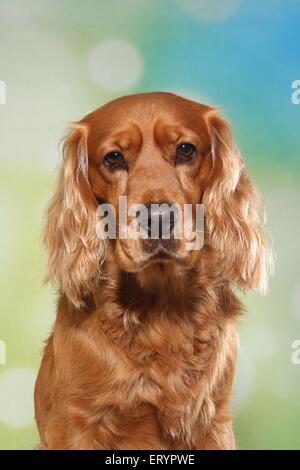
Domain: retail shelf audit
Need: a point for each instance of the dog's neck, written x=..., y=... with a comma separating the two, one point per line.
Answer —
x=158, y=285
x=134, y=309
x=162, y=287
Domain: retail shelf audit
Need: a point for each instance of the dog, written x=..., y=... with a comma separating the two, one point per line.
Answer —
x=144, y=346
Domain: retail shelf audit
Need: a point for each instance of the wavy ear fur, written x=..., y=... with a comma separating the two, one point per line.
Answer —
x=75, y=252
x=234, y=211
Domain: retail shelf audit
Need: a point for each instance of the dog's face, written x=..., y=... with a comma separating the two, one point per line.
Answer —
x=155, y=148
x=155, y=151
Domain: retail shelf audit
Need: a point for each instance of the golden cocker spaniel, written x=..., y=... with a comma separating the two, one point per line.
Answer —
x=143, y=351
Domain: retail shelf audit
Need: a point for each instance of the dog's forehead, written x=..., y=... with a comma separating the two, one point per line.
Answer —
x=146, y=111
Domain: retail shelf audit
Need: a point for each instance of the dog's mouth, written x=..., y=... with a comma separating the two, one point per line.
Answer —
x=135, y=259
x=167, y=247
x=162, y=253
x=159, y=257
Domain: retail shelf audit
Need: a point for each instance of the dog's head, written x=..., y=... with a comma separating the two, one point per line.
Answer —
x=163, y=153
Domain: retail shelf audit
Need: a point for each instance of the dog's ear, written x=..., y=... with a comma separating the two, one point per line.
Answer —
x=234, y=212
x=75, y=251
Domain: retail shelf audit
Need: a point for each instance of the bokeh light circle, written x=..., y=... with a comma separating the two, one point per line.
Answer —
x=212, y=10
x=115, y=64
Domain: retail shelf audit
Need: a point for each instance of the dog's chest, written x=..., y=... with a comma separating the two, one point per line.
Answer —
x=168, y=362
x=171, y=380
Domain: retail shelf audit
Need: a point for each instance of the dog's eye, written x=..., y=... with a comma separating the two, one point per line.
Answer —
x=115, y=160
x=185, y=152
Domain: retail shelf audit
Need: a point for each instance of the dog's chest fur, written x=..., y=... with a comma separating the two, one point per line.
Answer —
x=174, y=372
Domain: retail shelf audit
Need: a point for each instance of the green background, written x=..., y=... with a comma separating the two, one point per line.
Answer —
x=60, y=60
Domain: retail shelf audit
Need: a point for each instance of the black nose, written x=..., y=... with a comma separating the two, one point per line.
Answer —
x=159, y=220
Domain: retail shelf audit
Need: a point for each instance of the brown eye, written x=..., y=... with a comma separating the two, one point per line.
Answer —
x=185, y=152
x=115, y=161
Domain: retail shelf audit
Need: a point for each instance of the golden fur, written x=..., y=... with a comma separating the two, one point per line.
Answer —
x=143, y=351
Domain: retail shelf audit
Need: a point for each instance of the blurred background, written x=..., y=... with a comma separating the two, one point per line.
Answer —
x=61, y=59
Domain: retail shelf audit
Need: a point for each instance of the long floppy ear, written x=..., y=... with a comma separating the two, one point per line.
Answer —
x=75, y=251
x=234, y=211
